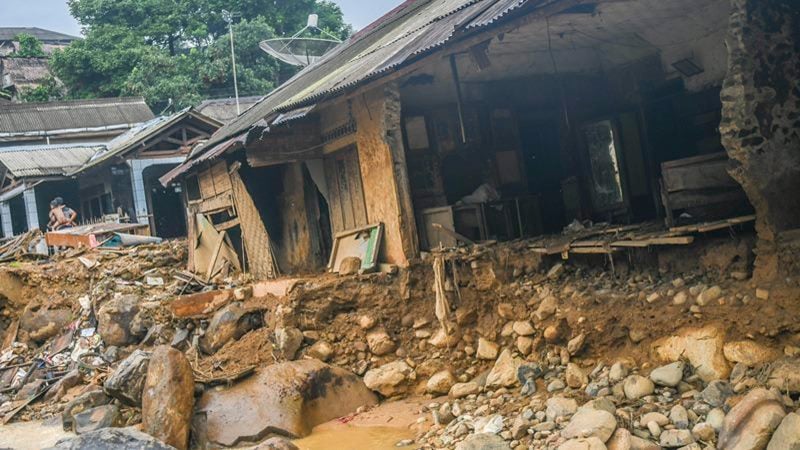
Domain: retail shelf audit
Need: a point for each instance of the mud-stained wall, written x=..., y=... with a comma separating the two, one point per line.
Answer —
x=383, y=170
x=298, y=247
x=761, y=118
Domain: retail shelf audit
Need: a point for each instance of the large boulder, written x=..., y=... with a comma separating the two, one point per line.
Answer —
x=504, y=372
x=126, y=383
x=112, y=438
x=288, y=398
x=703, y=347
x=749, y=424
x=81, y=403
x=589, y=422
x=483, y=441
x=787, y=436
x=43, y=324
x=168, y=397
x=785, y=375
x=749, y=353
x=388, y=379
x=97, y=418
x=115, y=319
x=227, y=324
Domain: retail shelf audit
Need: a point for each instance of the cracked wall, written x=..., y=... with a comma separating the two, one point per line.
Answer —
x=761, y=118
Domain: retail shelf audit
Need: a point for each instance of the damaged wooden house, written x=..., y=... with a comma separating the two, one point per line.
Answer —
x=99, y=170
x=455, y=120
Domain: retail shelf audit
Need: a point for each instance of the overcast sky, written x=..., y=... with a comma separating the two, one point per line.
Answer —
x=54, y=15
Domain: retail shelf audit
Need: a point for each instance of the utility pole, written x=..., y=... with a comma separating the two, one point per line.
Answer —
x=228, y=17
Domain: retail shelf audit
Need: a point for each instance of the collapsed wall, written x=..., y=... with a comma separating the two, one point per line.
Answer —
x=761, y=119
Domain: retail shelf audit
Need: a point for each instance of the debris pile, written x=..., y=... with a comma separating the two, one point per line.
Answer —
x=508, y=348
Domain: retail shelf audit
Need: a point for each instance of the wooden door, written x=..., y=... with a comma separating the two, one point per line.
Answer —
x=345, y=189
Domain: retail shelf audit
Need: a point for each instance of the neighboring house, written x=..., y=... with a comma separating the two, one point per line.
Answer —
x=18, y=75
x=51, y=40
x=42, y=144
x=224, y=109
x=96, y=120
x=505, y=118
x=123, y=175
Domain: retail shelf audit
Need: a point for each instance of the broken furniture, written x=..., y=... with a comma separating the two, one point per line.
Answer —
x=363, y=243
x=698, y=182
x=95, y=235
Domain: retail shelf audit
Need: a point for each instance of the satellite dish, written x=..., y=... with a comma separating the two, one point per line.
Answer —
x=301, y=51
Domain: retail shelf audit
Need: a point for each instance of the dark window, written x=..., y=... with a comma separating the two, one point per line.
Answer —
x=193, y=188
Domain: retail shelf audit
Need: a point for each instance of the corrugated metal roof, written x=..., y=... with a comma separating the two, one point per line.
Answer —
x=411, y=30
x=45, y=160
x=142, y=133
x=49, y=117
x=10, y=33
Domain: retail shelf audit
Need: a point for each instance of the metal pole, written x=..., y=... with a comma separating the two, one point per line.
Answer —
x=233, y=60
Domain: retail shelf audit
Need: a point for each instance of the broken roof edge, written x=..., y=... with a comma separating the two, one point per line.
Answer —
x=138, y=135
x=207, y=155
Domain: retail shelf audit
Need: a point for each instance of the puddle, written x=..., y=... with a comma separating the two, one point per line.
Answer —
x=31, y=435
x=347, y=437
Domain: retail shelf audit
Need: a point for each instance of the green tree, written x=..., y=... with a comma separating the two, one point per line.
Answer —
x=29, y=46
x=178, y=51
x=50, y=89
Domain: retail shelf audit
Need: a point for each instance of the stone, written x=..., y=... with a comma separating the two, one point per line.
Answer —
x=750, y=424
x=575, y=376
x=590, y=423
x=787, y=436
x=440, y=383
x=30, y=389
x=701, y=346
x=679, y=417
x=366, y=322
x=441, y=339
x=749, y=353
x=69, y=381
x=638, y=443
x=679, y=298
x=126, y=383
x=546, y=308
x=527, y=374
x=709, y=295
x=675, y=438
x=483, y=441
x=112, y=438
x=114, y=321
x=487, y=349
x=93, y=419
x=276, y=443
x=43, y=324
x=591, y=443
x=321, y=350
x=524, y=345
x=654, y=297
x=461, y=390
x=654, y=429
x=81, y=403
x=560, y=407
x=716, y=418
x=620, y=440
x=519, y=428
x=637, y=386
x=716, y=393
x=523, y=328
x=349, y=265
x=575, y=345
x=243, y=293
x=388, y=379
x=555, y=271
x=669, y=375
x=617, y=372
x=556, y=385
x=785, y=375
x=288, y=342
x=168, y=397
x=229, y=323
x=656, y=417
x=762, y=294
x=703, y=431
x=505, y=310
x=380, y=343
x=292, y=397
x=504, y=371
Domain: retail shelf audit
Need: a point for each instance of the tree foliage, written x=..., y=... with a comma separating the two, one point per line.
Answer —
x=48, y=90
x=179, y=50
x=29, y=47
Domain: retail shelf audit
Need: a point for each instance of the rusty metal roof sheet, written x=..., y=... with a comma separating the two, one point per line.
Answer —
x=45, y=160
x=409, y=31
x=20, y=119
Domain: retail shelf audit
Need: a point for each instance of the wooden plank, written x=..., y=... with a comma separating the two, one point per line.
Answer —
x=227, y=225
x=715, y=225
x=219, y=173
x=356, y=188
x=334, y=199
x=593, y=250
x=206, y=182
